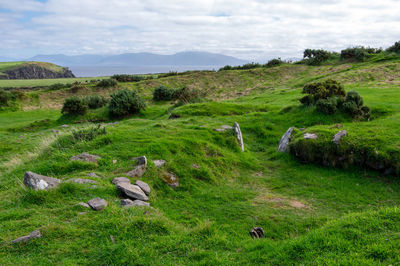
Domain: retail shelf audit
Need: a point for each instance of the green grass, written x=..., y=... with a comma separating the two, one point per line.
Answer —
x=311, y=214
x=10, y=83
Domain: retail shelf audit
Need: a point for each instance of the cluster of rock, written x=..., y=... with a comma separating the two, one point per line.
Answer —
x=137, y=193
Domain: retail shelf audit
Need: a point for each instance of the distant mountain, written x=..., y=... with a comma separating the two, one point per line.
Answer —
x=141, y=59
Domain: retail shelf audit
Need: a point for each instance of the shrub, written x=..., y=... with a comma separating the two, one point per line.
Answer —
x=107, y=83
x=274, y=62
x=74, y=106
x=88, y=134
x=307, y=100
x=129, y=78
x=125, y=102
x=395, y=48
x=324, y=90
x=327, y=106
x=5, y=97
x=353, y=105
x=359, y=53
x=77, y=87
x=163, y=93
x=57, y=86
x=185, y=95
x=315, y=56
x=95, y=101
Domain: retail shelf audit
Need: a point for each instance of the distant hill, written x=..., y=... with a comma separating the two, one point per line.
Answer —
x=33, y=70
x=142, y=59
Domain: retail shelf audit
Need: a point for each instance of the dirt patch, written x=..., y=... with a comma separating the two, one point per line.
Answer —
x=297, y=204
x=278, y=202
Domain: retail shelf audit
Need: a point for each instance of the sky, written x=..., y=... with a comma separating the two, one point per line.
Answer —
x=247, y=29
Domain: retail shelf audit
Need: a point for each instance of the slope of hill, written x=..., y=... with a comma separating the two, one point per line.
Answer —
x=311, y=214
x=33, y=70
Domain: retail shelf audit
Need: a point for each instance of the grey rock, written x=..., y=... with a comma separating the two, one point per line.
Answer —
x=64, y=126
x=40, y=182
x=130, y=203
x=171, y=180
x=83, y=181
x=195, y=166
x=83, y=204
x=239, y=136
x=85, y=157
x=338, y=136
x=140, y=203
x=219, y=129
x=143, y=186
x=159, y=163
x=97, y=204
x=24, y=239
x=92, y=175
x=310, y=136
x=120, y=180
x=142, y=160
x=114, y=161
x=284, y=142
x=226, y=127
x=140, y=168
x=126, y=202
x=132, y=191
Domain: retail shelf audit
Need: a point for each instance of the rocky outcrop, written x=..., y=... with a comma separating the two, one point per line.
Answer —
x=36, y=71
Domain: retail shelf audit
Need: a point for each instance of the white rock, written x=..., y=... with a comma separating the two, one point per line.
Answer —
x=310, y=136
x=40, y=182
x=284, y=142
x=239, y=136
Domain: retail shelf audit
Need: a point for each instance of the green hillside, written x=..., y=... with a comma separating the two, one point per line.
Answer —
x=8, y=68
x=311, y=213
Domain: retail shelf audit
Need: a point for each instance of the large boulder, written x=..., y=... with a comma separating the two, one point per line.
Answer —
x=238, y=134
x=132, y=191
x=24, y=239
x=97, y=204
x=85, y=157
x=40, y=182
x=338, y=136
x=143, y=186
x=284, y=142
x=140, y=168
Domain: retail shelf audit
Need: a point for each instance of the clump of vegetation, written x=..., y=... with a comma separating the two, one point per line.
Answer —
x=88, y=134
x=315, y=57
x=8, y=98
x=74, y=106
x=359, y=53
x=395, y=48
x=107, y=83
x=163, y=93
x=58, y=86
x=329, y=96
x=125, y=102
x=95, y=101
x=274, y=62
x=129, y=78
x=187, y=95
x=77, y=86
x=5, y=97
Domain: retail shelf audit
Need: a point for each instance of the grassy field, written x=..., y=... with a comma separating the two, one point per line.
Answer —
x=311, y=214
x=17, y=83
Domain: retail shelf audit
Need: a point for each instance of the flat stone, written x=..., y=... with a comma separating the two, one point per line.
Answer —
x=130, y=203
x=132, y=191
x=284, y=142
x=140, y=168
x=338, y=136
x=226, y=127
x=24, y=239
x=159, y=163
x=219, y=129
x=97, y=204
x=310, y=136
x=140, y=203
x=40, y=182
x=83, y=204
x=83, y=181
x=120, y=180
x=92, y=175
x=126, y=202
x=239, y=136
x=85, y=157
x=143, y=186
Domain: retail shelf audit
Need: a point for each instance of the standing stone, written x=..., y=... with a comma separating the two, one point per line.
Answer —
x=143, y=186
x=132, y=191
x=284, y=143
x=97, y=204
x=238, y=134
x=310, y=136
x=140, y=168
x=85, y=157
x=40, y=182
x=159, y=163
x=338, y=136
x=120, y=180
x=24, y=239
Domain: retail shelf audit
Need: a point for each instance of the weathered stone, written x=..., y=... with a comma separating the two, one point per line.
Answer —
x=24, y=239
x=97, y=204
x=171, y=180
x=257, y=232
x=129, y=203
x=83, y=181
x=40, y=182
x=310, y=136
x=143, y=186
x=55, y=131
x=195, y=166
x=140, y=168
x=132, y=191
x=226, y=127
x=120, y=180
x=92, y=175
x=284, y=142
x=126, y=202
x=239, y=136
x=219, y=129
x=83, y=204
x=159, y=163
x=336, y=139
x=85, y=157
x=140, y=203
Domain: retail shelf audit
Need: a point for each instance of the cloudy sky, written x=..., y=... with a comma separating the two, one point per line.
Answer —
x=248, y=29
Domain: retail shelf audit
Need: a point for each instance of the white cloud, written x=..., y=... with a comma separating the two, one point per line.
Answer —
x=243, y=28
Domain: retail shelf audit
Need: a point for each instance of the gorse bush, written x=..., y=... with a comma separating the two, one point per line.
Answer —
x=327, y=106
x=88, y=134
x=163, y=93
x=274, y=62
x=359, y=53
x=74, y=106
x=107, y=83
x=321, y=90
x=395, y=48
x=5, y=97
x=125, y=102
x=129, y=78
x=95, y=101
x=315, y=57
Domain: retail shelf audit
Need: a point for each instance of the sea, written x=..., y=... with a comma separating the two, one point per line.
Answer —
x=100, y=71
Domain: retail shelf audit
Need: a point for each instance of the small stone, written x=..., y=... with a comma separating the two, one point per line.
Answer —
x=40, y=182
x=140, y=168
x=219, y=129
x=120, y=180
x=140, y=203
x=92, y=175
x=310, y=136
x=159, y=163
x=284, y=142
x=144, y=186
x=195, y=166
x=83, y=181
x=85, y=157
x=83, y=204
x=24, y=239
x=93, y=187
x=257, y=232
x=132, y=191
x=115, y=161
x=82, y=213
x=126, y=202
x=226, y=127
x=97, y=204
x=112, y=239
x=239, y=136
x=338, y=136
x=171, y=180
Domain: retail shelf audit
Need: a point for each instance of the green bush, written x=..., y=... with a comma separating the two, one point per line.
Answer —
x=163, y=93
x=129, y=78
x=5, y=97
x=88, y=134
x=95, y=101
x=186, y=95
x=57, y=86
x=353, y=105
x=315, y=57
x=359, y=53
x=74, y=106
x=327, y=106
x=323, y=90
x=77, y=87
x=107, y=83
x=125, y=102
x=274, y=62
x=307, y=100
x=395, y=48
